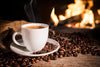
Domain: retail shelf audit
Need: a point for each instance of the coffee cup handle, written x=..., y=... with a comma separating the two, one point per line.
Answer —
x=14, y=40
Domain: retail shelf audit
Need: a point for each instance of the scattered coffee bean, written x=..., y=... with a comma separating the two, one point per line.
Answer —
x=56, y=53
x=68, y=55
x=78, y=43
x=26, y=60
x=55, y=57
x=1, y=65
x=33, y=62
x=48, y=59
x=93, y=53
x=19, y=59
x=36, y=60
x=24, y=63
x=60, y=56
x=75, y=54
x=48, y=48
x=61, y=52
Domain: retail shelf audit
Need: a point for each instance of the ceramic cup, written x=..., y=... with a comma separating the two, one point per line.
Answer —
x=34, y=39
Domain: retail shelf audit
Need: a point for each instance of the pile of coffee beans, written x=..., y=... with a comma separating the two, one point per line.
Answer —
x=71, y=44
x=48, y=48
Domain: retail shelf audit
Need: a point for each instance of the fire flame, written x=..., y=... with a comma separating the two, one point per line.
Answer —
x=54, y=17
x=77, y=8
x=98, y=21
x=98, y=11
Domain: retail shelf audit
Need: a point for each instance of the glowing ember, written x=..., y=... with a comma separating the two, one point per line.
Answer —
x=61, y=17
x=97, y=21
x=88, y=18
x=68, y=13
x=98, y=11
x=77, y=8
x=77, y=25
x=69, y=25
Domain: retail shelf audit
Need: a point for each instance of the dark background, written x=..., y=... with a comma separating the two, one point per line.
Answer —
x=14, y=9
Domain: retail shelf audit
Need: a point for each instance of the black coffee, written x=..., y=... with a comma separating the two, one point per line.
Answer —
x=34, y=27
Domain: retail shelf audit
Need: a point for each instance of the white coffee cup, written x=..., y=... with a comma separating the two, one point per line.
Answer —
x=34, y=39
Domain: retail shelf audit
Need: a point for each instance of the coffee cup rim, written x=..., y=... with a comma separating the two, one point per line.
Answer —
x=34, y=24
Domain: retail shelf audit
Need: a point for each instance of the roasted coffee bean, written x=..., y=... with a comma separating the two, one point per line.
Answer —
x=36, y=60
x=45, y=58
x=26, y=60
x=61, y=52
x=16, y=64
x=65, y=55
x=60, y=56
x=93, y=53
x=69, y=51
x=11, y=62
x=24, y=63
x=49, y=50
x=84, y=51
x=19, y=59
x=6, y=65
x=95, y=47
x=73, y=51
x=1, y=54
x=6, y=62
x=1, y=65
x=29, y=63
x=33, y=62
x=98, y=53
x=55, y=57
x=56, y=53
x=75, y=54
x=62, y=49
x=33, y=58
x=68, y=55
x=92, y=50
x=40, y=59
x=48, y=59
x=51, y=56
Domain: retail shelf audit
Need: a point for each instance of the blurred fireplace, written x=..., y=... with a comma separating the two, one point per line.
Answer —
x=42, y=10
x=14, y=10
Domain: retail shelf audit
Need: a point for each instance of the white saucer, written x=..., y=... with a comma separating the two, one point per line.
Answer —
x=24, y=52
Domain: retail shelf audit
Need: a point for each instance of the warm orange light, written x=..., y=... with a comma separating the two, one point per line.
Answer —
x=97, y=21
x=54, y=17
x=61, y=17
x=77, y=8
x=77, y=25
x=90, y=4
x=69, y=25
x=88, y=18
x=98, y=11
x=68, y=13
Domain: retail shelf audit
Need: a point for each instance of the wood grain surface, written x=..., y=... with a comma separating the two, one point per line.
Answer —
x=80, y=61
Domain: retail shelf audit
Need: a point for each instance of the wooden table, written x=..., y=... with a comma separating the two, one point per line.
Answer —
x=80, y=61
